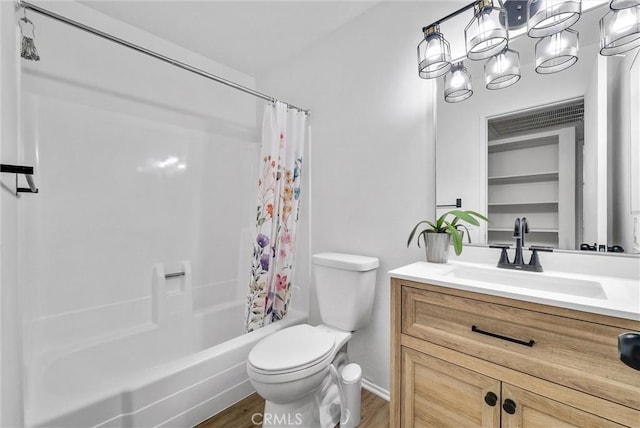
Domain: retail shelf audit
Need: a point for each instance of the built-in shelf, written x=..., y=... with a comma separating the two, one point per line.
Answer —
x=518, y=143
x=534, y=206
x=524, y=178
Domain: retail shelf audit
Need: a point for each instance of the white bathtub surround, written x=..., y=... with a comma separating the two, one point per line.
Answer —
x=172, y=292
x=278, y=200
x=11, y=382
x=141, y=382
x=135, y=182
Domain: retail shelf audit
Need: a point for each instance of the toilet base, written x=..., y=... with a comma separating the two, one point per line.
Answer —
x=320, y=408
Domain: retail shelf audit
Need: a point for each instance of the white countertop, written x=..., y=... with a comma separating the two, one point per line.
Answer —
x=620, y=297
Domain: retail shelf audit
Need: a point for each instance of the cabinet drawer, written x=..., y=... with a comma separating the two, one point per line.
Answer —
x=575, y=353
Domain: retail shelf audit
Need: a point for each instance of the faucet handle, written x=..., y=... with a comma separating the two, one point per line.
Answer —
x=504, y=257
x=500, y=246
x=541, y=248
x=534, y=262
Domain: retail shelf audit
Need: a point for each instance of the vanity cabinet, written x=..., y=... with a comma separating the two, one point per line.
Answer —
x=469, y=359
x=447, y=395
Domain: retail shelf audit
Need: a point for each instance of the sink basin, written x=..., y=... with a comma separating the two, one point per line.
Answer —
x=532, y=281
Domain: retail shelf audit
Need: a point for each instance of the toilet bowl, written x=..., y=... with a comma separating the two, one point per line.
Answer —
x=300, y=364
x=295, y=380
x=292, y=368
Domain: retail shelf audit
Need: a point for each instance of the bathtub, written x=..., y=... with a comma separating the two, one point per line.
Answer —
x=176, y=373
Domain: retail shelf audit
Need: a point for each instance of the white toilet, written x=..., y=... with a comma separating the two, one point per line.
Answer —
x=296, y=370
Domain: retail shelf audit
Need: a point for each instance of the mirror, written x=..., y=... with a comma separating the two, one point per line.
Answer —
x=575, y=178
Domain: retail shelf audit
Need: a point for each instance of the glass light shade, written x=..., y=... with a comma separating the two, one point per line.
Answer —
x=457, y=84
x=546, y=17
x=623, y=4
x=484, y=36
x=434, y=54
x=620, y=31
x=502, y=70
x=557, y=52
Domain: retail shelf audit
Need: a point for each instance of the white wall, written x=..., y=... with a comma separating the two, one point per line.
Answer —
x=11, y=385
x=621, y=138
x=372, y=159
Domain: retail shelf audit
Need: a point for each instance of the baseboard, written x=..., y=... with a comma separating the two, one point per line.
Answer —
x=375, y=389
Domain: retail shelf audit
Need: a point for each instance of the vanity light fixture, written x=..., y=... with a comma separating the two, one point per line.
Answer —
x=484, y=35
x=546, y=17
x=516, y=14
x=487, y=38
x=434, y=53
x=557, y=52
x=502, y=70
x=457, y=84
x=620, y=29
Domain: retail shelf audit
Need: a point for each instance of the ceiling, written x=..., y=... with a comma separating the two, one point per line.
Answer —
x=250, y=36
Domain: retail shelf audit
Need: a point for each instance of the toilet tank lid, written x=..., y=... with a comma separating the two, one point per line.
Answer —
x=346, y=261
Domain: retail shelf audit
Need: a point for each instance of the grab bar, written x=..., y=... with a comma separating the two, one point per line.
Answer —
x=174, y=275
x=21, y=169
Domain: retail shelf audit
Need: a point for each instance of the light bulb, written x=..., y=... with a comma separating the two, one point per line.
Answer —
x=502, y=64
x=624, y=21
x=620, y=30
x=556, y=45
x=433, y=49
x=457, y=79
x=485, y=24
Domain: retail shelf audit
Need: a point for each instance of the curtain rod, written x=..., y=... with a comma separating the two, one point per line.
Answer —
x=179, y=64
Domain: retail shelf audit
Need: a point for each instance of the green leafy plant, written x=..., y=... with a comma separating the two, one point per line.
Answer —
x=449, y=222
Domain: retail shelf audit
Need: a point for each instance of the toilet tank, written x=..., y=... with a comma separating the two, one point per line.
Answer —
x=345, y=286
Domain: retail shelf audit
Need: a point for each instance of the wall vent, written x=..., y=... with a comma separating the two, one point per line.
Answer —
x=531, y=120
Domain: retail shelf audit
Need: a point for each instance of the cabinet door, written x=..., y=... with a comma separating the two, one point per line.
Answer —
x=436, y=393
x=529, y=410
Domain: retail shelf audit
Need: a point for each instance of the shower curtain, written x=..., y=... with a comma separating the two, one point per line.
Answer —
x=278, y=199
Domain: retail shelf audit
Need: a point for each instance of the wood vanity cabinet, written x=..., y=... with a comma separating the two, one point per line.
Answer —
x=464, y=359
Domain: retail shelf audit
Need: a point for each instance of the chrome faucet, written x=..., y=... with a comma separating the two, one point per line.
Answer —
x=520, y=229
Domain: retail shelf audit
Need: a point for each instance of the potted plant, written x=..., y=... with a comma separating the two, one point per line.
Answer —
x=437, y=236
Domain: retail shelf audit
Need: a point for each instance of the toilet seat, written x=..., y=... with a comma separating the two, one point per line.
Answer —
x=292, y=353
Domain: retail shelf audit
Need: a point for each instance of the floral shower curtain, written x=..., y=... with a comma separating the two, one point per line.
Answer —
x=283, y=134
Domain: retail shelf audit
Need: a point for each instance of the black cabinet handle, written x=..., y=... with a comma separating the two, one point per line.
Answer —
x=509, y=406
x=499, y=336
x=491, y=398
x=629, y=349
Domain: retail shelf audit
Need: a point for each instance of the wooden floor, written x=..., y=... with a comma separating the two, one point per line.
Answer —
x=375, y=413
